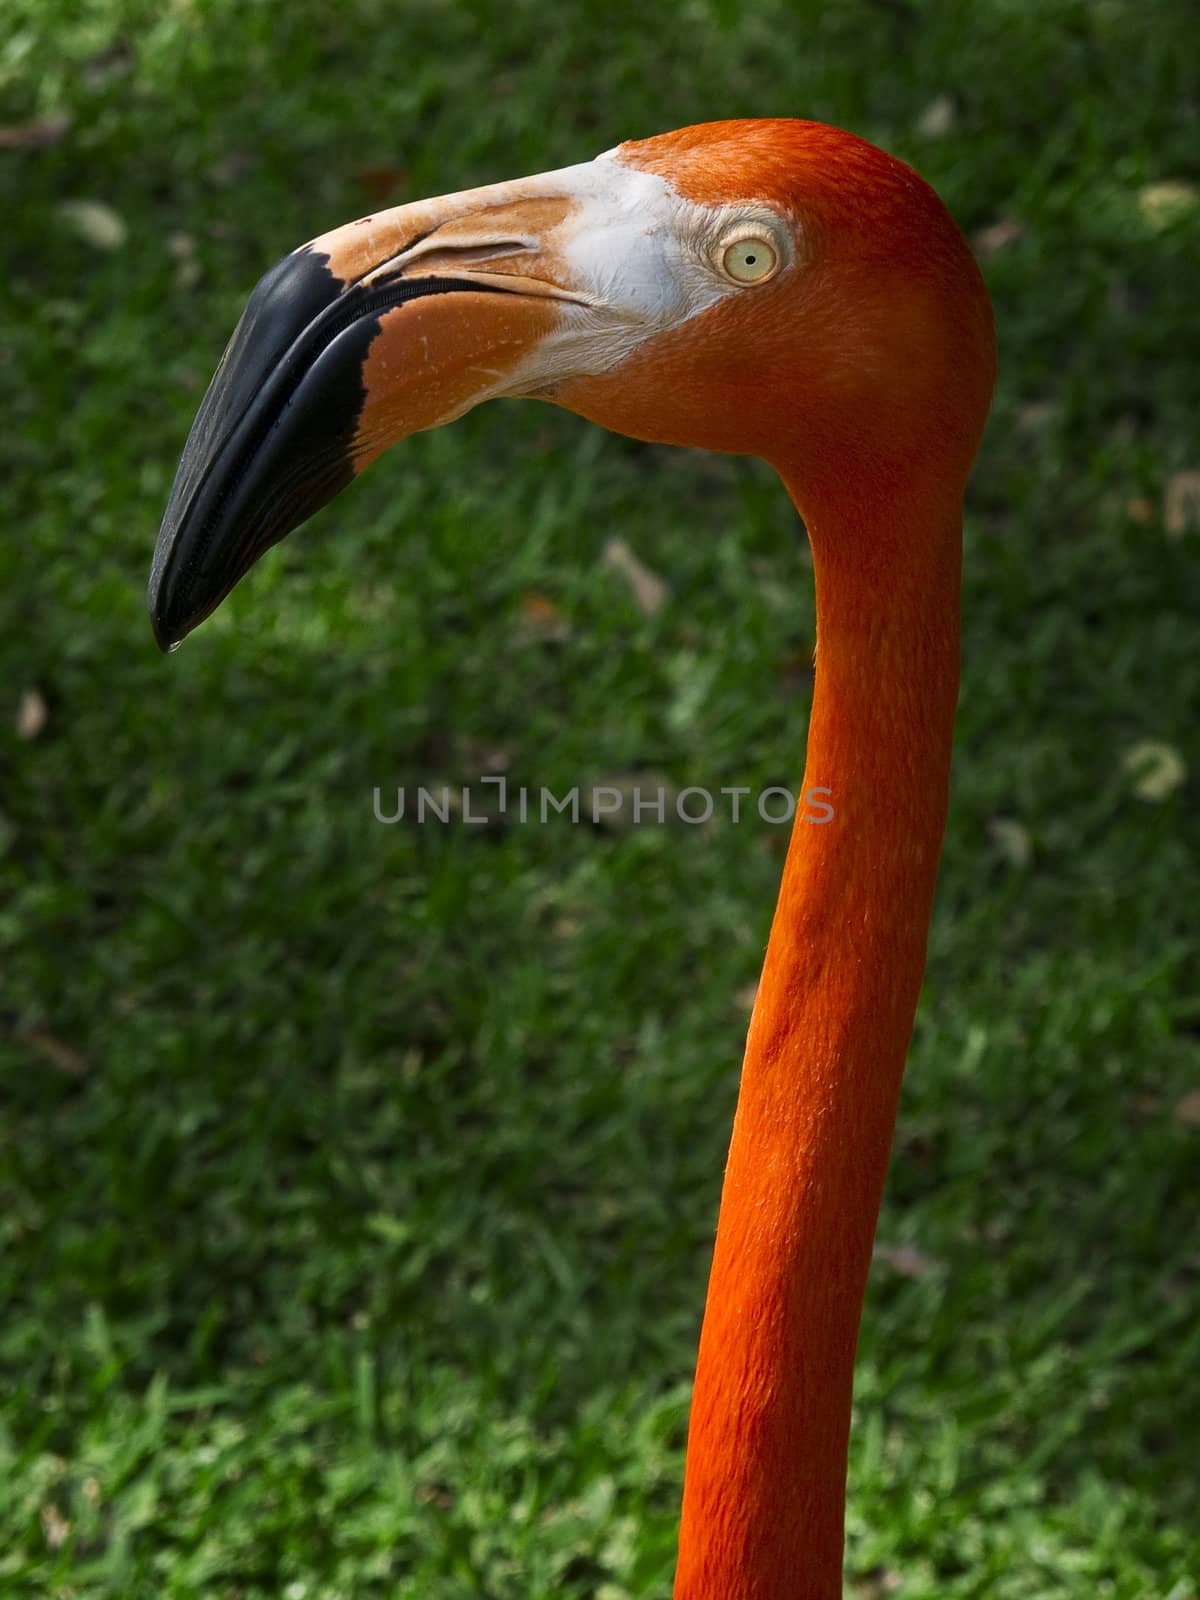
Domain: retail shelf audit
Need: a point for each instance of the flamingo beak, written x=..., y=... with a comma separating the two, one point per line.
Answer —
x=383, y=327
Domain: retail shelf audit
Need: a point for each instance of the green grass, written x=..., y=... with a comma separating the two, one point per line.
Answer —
x=357, y=1183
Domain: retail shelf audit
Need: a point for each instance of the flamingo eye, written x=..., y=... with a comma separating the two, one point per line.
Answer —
x=750, y=259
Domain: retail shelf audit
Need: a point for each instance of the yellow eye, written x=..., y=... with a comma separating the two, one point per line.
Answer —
x=750, y=260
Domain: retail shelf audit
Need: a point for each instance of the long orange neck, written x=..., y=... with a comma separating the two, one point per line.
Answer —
x=764, y=1496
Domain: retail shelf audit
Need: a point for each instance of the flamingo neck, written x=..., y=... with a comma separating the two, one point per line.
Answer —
x=764, y=1496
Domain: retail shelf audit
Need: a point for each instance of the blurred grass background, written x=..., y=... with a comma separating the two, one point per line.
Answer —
x=357, y=1183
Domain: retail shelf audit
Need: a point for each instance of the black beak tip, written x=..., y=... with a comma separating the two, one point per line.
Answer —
x=169, y=618
x=166, y=635
x=178, y=604
x=162, y=624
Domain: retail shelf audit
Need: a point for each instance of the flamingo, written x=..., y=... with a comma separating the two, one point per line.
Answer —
x=775, y=288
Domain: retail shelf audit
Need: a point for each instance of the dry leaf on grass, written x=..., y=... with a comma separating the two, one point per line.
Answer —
x=542, y=619
x=1036, y=415
x=997, y=236
x=56, y=1051
x=878, y=1583
x=95, y=223
x=650, y=592
x=1163, y=203
x=937, y=118
x=1181, y=503
x=1157, y=769
x=182, y=247
x=1139, y=510
x=906, y=1260
x=55, y=1527
x=31, y=714
x=1012, y=840
x=435, y=1494
x=39, y=134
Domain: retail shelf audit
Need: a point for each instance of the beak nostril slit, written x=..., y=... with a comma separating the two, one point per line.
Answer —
x=429, y=251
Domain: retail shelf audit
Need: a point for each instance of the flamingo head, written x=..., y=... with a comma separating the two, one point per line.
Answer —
x=774, y=288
